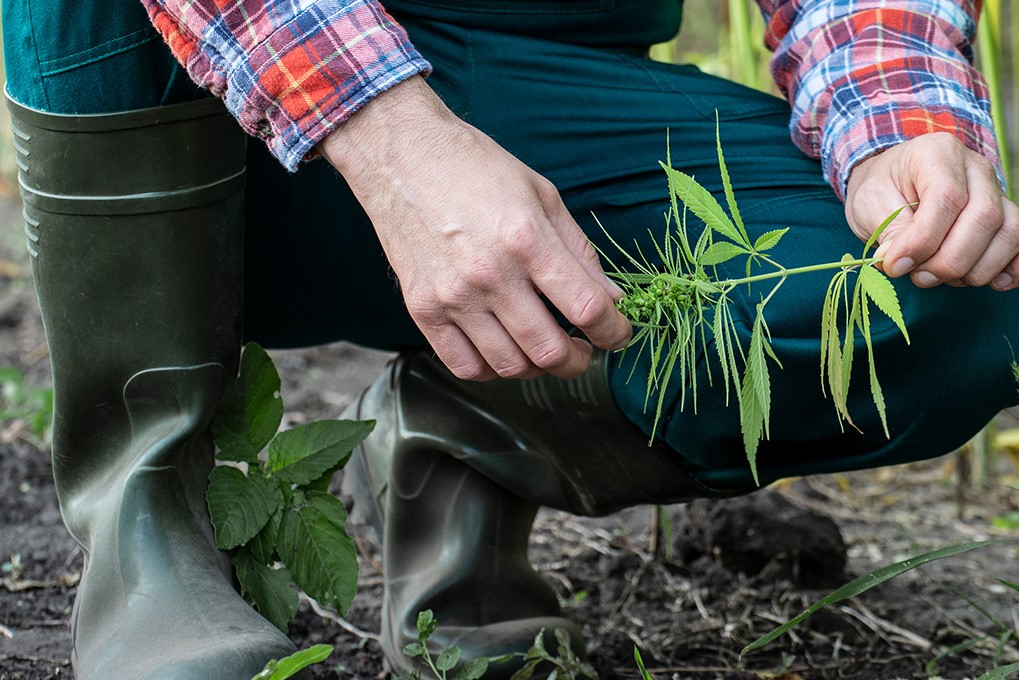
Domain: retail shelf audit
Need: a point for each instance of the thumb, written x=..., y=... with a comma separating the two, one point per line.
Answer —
x=895, y=262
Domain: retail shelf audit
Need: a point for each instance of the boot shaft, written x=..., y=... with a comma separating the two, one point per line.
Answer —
x=133, y=223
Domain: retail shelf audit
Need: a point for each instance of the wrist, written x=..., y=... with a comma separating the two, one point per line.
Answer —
x=384, y=122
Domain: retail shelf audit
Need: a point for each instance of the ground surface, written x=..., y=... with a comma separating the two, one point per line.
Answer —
x=724, y=575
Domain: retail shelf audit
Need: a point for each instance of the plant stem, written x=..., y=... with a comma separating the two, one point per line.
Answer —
x=783, y=272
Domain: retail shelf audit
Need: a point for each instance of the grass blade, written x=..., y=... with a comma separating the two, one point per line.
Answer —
x=866, y=582
x=1001, y=672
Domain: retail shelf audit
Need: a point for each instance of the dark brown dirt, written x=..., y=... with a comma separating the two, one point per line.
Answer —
x=722, y=575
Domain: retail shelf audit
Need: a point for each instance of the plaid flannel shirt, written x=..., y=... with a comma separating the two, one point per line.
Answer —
x=864, y=75
x=861, y=75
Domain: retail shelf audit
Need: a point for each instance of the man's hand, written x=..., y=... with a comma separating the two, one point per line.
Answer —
x=961, y=230
x=476, y=239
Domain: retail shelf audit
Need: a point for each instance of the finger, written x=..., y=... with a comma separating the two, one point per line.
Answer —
x=942, y=196
x=458, y=353
x=1008, y=277
x=583, y=301
x=498, y=348
x=545, y=343
x=969, y=237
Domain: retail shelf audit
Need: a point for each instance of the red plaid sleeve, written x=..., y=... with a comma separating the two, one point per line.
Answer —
x=864, y=75
x=290, y=71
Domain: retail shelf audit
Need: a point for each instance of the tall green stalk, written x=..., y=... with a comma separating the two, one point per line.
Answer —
x=743, y=59
x=990, y=44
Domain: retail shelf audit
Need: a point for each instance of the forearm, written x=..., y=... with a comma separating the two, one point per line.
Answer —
x=290, y=71
x=865, y=75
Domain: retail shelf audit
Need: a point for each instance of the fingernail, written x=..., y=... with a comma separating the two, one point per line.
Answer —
x=901, y=266
x=614, y=286
x=881, y=250
x=926, y=279
x=1002, y=281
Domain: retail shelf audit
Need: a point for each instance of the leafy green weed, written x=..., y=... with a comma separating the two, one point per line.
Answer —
x=269, y=500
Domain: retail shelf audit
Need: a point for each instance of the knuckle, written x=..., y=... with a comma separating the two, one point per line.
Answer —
x=550, y=355
x=481, y=274
x=588, y=309
x=950, y=268
x=517, y=368
x=426, y=310
x=521, y=241
x=1009, y=234
x=923, y=245
x=588, y=253
x=988, y=214
x=546, y=190
x=468, y=370
x=954, y=196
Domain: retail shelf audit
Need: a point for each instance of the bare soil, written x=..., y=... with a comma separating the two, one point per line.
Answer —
x=720, y=575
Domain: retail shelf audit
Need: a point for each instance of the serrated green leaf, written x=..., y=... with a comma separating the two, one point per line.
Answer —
x=703, y=243
x=832, y=360
x=865, y=583
x=755, y=406
x=253, y=409
x=414, y=650
x=880, y=230
x=240, y=452
x=239, y=505
x=272, y=590
x=723, y=346
x=306, y=452
x=879, y=289
x=702, y=204
x=426, y=624
x=447, y=659
x=730, y=197
x=474, y=669
x=263, y=545
x=719, y=252
x=852, y=323
x=290, y=666
x=769, y=240
x=315, y=546
x=527, y=671
x=875, y=386
x=675, y=214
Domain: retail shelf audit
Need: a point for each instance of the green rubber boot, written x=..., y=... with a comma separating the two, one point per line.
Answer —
x=454, y=473
x=134, y=227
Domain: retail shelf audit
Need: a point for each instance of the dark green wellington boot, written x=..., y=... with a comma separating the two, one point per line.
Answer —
x=134, y=226
x=456, y=471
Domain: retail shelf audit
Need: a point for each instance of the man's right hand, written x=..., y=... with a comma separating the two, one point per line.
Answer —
x=476, y=239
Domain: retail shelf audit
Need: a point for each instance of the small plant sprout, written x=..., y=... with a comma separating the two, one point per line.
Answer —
x=13, y=567
x=678, y=307
x=287, y=667
x=447, y=660
x=564, y=665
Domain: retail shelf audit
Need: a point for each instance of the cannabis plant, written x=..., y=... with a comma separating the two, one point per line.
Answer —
x=682, y=306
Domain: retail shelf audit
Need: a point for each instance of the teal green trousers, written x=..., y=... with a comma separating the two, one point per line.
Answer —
x=592, y=118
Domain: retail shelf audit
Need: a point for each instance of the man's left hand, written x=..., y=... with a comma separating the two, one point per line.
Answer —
x=958, y=228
